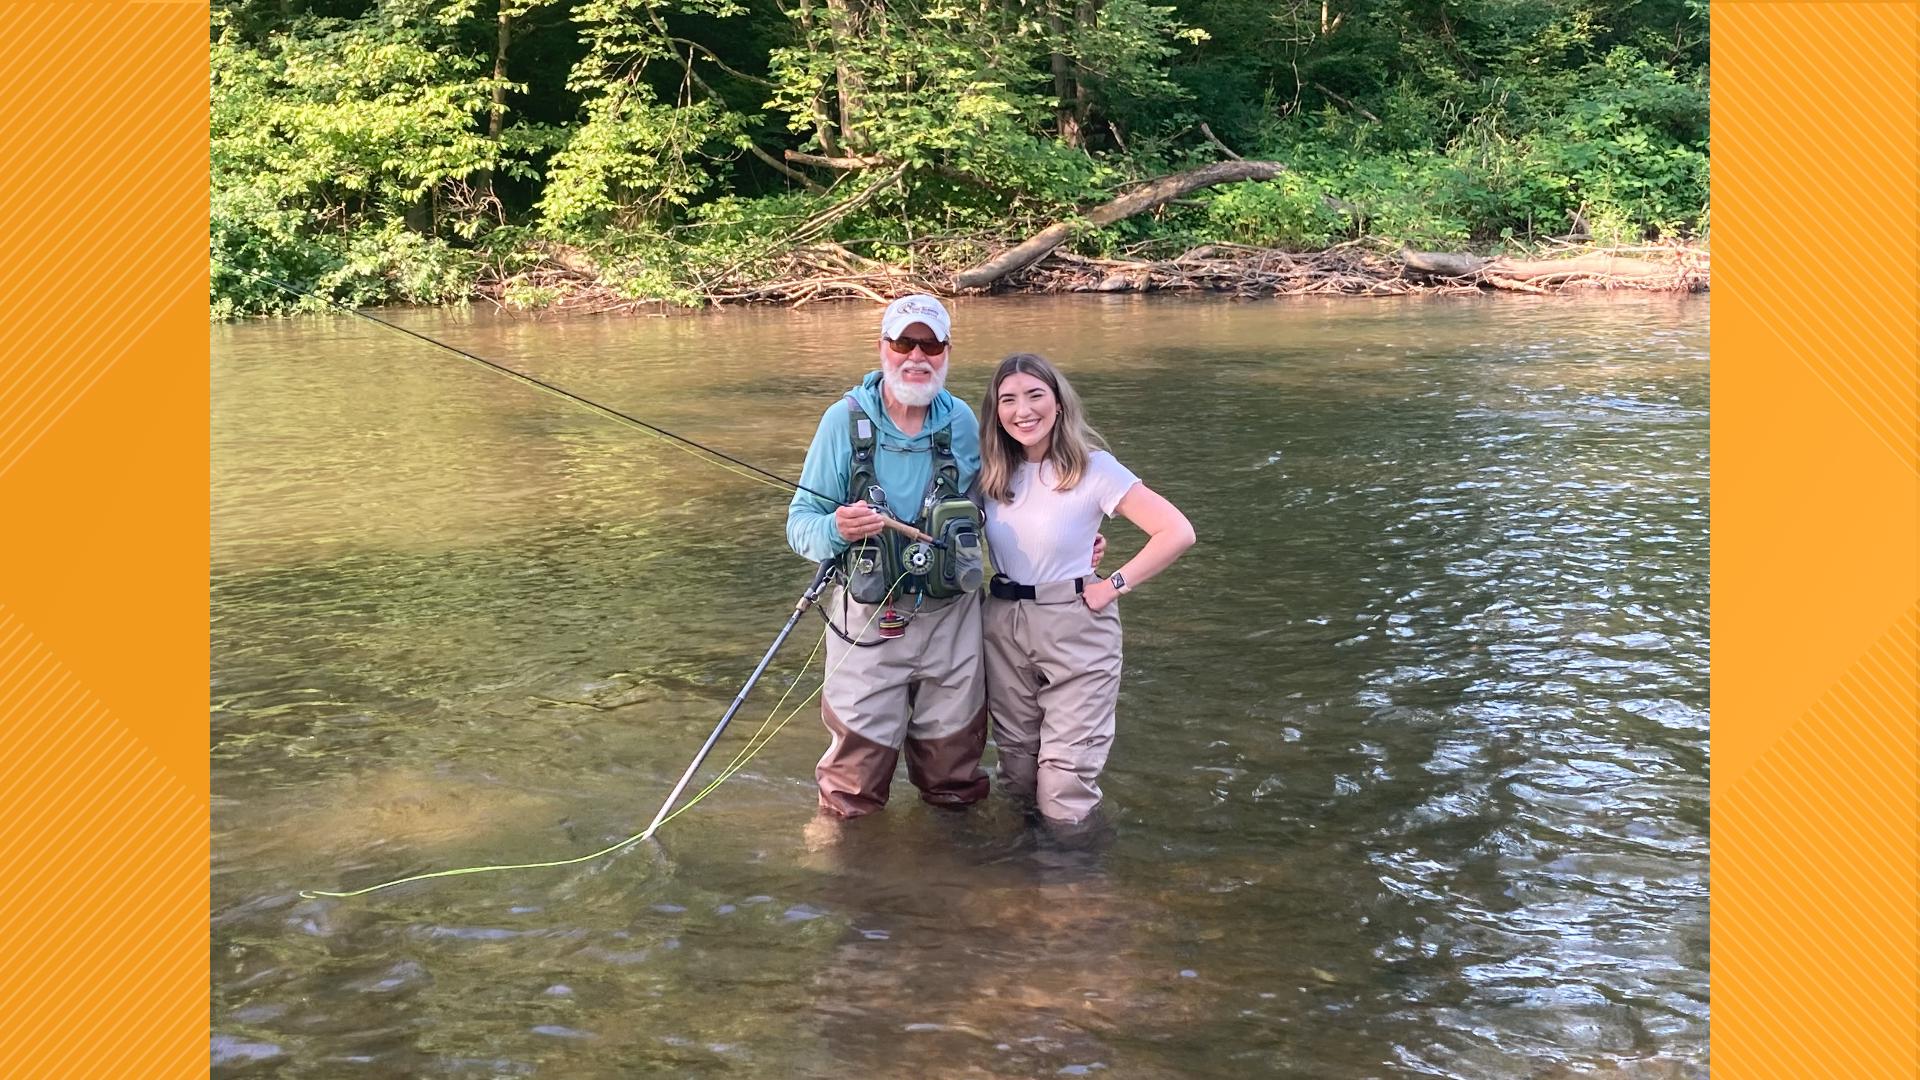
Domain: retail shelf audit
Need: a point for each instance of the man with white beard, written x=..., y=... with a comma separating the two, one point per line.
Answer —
x=903, y=670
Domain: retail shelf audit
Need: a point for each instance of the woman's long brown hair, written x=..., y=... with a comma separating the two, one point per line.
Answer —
x=1072, y=442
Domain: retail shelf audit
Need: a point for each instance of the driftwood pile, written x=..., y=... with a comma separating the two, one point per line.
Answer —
x=822, y=272
x=807, y=266
x=566, y=281
x=831, y=272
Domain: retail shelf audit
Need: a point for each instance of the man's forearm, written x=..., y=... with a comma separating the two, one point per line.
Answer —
x=812, y=535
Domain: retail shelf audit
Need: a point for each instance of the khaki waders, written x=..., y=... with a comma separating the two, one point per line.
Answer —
x=921, y=693
x=1053, y=679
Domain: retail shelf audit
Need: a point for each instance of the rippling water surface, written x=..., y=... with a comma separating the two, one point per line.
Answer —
x=1412, y=770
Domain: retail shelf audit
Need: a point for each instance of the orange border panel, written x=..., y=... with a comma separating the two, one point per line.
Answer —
x=1816, y=490
x=103, y=557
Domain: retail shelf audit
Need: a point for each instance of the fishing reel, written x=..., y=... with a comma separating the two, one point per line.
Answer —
x=917, y=558
x=956, y=566
x=951, y=561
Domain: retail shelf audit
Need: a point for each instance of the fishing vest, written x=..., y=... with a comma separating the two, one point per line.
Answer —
x=873, y=566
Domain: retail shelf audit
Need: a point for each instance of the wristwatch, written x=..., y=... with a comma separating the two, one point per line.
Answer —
x=1118, y=580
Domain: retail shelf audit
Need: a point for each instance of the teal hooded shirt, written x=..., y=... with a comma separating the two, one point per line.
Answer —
x=903, y=466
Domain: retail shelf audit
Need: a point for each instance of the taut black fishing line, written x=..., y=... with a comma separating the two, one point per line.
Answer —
x=774, y=721
x=569, y=395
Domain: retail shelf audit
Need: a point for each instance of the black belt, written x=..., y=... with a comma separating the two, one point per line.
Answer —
x=1002, y=589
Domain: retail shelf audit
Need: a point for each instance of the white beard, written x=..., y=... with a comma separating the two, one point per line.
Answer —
x=915, y=395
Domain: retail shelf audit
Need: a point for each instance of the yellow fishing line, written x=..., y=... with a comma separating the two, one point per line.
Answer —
x=755, y=744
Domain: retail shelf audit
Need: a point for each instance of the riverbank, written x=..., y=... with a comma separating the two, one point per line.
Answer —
x=567, y=280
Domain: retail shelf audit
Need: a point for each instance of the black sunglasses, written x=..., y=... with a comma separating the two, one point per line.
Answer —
x=905, y=345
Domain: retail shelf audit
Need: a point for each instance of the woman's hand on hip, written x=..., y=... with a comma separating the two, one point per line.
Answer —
x=1099, y=594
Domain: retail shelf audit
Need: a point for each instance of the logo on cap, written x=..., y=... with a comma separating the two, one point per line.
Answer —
x=917, y=307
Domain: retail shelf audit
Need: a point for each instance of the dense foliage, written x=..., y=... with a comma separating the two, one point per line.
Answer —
x=379, y=150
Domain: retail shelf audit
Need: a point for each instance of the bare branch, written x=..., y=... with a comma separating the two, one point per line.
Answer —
x=1215, y=140
x=783, y=169
x=848, y=163
x=1344, y=101
x=722, y=64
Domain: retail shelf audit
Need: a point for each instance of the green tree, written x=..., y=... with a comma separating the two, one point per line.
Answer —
x=404, y=149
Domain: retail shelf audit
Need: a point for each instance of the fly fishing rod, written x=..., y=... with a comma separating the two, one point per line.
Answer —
x=714, y=457
x=808, y=599
x=820, y=579
x=666, y=813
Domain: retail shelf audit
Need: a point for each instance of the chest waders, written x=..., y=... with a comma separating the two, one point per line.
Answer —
x=957, y=566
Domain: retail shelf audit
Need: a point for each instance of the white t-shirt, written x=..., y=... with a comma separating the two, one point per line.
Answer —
x=1044, y=535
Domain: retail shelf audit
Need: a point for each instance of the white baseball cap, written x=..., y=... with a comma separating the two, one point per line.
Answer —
x=916, y=308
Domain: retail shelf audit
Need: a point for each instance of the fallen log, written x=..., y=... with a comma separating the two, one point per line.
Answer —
x=1594, y=266
x=1442, y=264
x=1146, y=197
x=1526, y=275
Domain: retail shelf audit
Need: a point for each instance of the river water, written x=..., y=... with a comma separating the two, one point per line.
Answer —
x=1411, y=776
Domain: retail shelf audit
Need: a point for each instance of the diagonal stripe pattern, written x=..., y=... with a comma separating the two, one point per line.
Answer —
x=103, y=206
x=1807, y=133
x=1814, y=857
x=94, y=195
x=107, y=857
x=1816, y=416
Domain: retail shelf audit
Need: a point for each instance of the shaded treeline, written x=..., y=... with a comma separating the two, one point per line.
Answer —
x=412, y=150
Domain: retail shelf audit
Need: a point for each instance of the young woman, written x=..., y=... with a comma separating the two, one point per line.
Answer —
x=1052, y=628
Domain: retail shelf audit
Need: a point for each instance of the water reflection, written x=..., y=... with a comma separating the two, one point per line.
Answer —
x=1411, y=776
